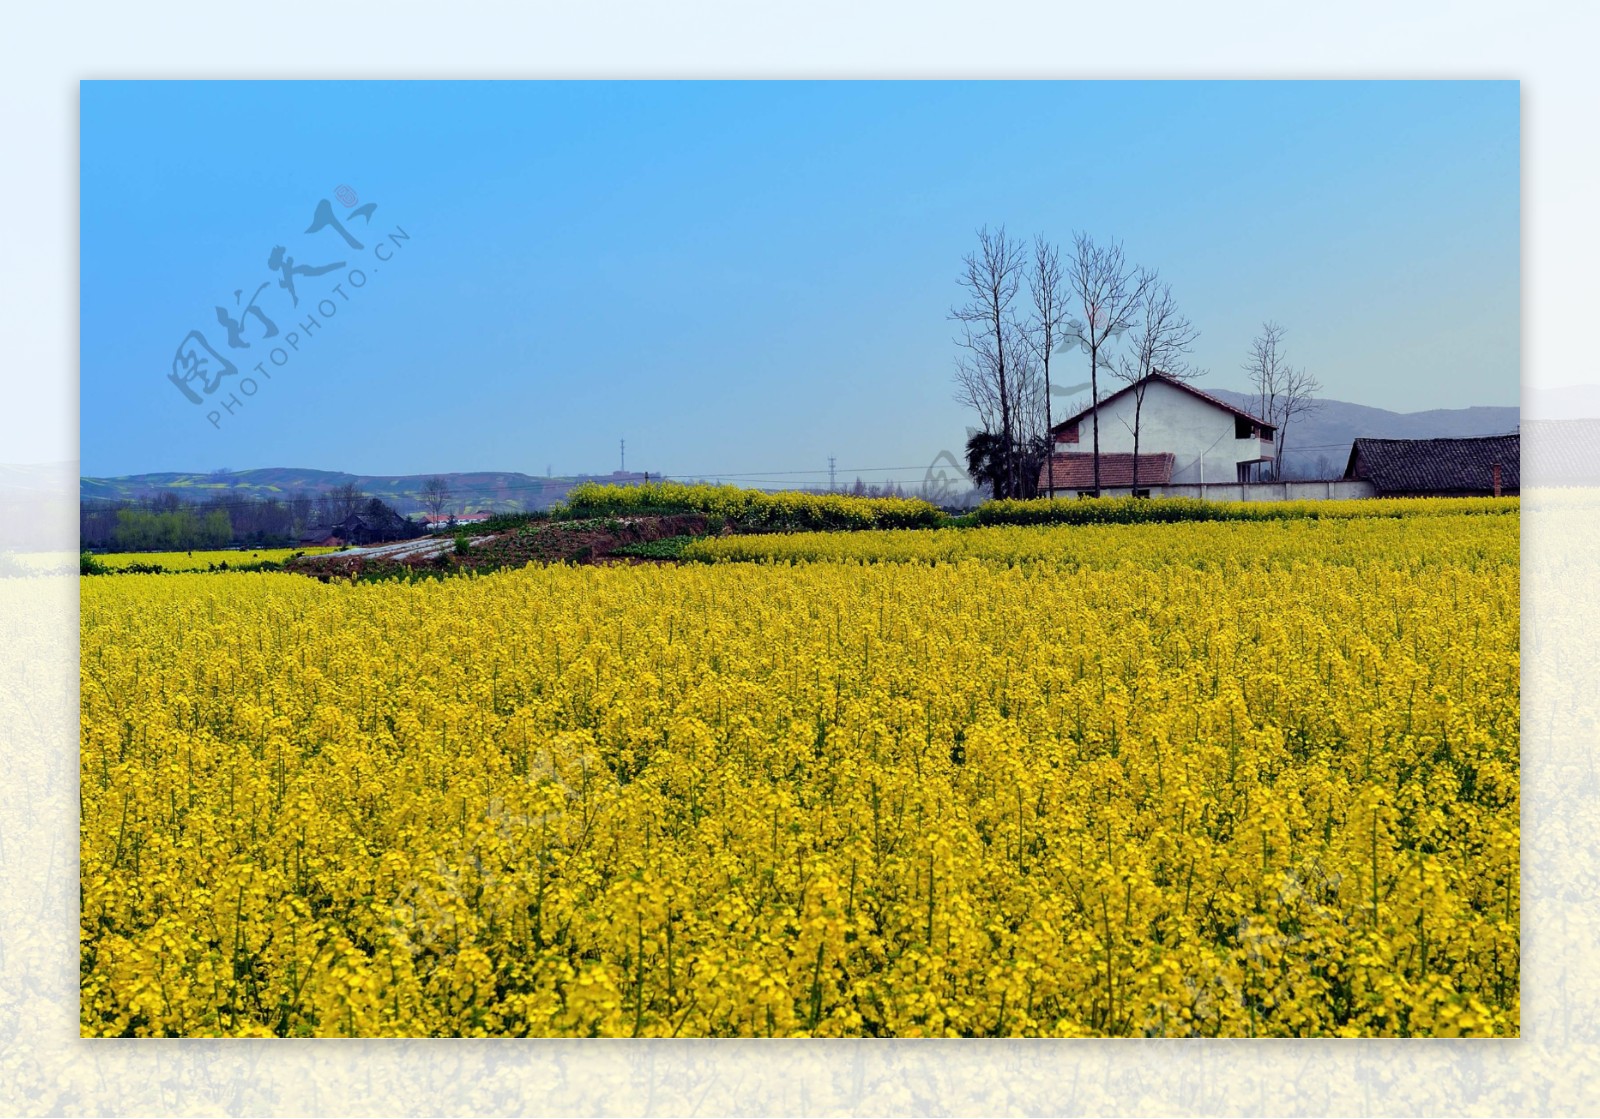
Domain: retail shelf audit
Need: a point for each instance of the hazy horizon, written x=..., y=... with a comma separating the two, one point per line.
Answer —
x=1592, y=391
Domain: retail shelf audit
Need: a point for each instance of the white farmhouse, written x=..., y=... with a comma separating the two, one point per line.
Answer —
x=1186, y=437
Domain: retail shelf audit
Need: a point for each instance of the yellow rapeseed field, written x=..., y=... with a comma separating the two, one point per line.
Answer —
x=1188, y=780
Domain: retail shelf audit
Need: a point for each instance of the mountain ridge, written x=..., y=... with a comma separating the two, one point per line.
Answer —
x=471, y=490
x=1328, y=432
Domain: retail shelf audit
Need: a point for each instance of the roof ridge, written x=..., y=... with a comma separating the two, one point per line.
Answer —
x=1439, y=438
x=1169, y=379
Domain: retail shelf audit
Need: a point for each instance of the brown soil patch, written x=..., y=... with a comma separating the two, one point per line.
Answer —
x=580, y=541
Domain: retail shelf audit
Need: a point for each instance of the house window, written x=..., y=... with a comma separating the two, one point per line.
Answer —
x=1243, y=428
x=1141, y=493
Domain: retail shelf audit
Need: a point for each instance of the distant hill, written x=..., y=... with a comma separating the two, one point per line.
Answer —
x=1318, y=442
x=495, y=491
x=1326, y=434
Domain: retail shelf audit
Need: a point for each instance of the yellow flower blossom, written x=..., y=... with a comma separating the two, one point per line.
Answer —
x=1221, y=778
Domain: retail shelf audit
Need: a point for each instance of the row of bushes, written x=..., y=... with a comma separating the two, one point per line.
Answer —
x=751, y=510
x=757, y=510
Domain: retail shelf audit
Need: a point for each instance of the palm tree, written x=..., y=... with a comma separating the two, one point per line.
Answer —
x=987, y=462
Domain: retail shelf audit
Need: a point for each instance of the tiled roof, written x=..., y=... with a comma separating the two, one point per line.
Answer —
x=1563, y=452
x=1437, y=466
x=1075, y=470
x=1177, y=384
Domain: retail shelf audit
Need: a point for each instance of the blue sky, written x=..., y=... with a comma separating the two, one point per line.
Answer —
x=745, y=278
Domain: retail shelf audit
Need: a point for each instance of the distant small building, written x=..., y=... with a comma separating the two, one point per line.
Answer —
x=376, y=523
x=1205, y=439
x=444, y=520
x=1483, y=466
x=320, y=536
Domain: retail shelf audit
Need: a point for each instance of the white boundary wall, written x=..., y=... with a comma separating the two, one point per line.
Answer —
x=1248, y=491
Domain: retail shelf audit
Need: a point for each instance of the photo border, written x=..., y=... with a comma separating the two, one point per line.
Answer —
x=46, y=1068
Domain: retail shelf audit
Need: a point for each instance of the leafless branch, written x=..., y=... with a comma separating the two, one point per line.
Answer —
x=1108, y=292
x=1161, y=340
x=1046, y=286
x=987, y=376
x=1283, y=391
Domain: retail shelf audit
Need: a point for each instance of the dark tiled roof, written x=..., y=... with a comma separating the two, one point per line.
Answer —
x=1437, y=466
x=1075, y=470
x=1177, y=384
x=1563, y=452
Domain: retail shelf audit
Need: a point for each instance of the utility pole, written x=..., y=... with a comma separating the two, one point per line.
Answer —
x=830, y=474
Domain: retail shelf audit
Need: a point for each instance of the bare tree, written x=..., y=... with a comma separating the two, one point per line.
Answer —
x=1267, y=369
x=1030, y=411
x=342, y=501
x=435, y=496
x=1282, y=391
x=1161, y=343
x=1047, y=288
x=1011, y=466
x=985, y=370
x=1108, y=291
x=1029, y=402
x=1300, y=390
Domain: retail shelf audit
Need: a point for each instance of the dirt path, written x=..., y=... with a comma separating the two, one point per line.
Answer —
x=580, y=541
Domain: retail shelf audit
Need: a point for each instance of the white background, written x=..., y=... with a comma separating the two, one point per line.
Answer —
x=45, y=51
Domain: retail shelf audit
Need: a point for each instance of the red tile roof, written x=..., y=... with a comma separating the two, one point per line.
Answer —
x=1075, y=470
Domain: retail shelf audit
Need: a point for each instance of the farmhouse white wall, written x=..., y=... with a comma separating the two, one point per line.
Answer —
x=1198, y=433
x=1344, y=490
